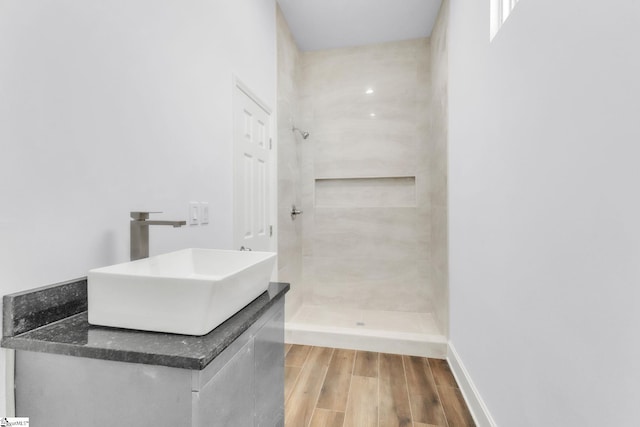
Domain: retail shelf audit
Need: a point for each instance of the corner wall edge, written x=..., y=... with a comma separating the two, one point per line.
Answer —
x=476, y=405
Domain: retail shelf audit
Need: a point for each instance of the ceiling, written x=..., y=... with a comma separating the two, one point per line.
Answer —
x=329, y=24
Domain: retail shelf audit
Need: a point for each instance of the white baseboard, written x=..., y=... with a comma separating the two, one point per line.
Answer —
x=476, y=405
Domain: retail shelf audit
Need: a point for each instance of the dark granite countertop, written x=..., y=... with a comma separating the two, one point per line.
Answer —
x=52, y=332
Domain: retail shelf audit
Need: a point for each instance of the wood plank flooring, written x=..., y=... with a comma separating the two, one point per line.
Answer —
x=326, y=387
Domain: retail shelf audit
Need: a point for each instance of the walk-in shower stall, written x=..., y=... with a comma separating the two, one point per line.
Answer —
x=367, y=258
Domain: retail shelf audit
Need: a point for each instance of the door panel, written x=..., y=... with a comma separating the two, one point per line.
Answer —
x=252, y=174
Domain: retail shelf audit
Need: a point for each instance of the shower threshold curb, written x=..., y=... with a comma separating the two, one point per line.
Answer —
x=383, y=341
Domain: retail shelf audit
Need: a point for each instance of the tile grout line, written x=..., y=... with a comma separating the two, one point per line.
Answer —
x=446, y=419
x=324, y=378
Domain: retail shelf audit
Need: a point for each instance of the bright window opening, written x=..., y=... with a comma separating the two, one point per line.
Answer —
x=500, y=11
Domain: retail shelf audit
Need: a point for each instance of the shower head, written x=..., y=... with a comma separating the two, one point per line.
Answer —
x=305, y=135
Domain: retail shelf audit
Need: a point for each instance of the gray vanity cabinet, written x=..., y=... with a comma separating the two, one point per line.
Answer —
x=243, y=386
x=226, y=399
x=253, y=377
x=269, y=373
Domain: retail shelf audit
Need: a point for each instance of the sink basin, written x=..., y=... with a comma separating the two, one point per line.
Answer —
x=185, y=292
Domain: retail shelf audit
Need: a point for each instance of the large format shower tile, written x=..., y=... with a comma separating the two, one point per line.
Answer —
x=329, y=317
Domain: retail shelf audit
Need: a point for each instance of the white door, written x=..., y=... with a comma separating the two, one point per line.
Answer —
x=252, y=173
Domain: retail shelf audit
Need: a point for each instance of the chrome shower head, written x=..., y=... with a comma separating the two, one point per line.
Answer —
x=304, y=134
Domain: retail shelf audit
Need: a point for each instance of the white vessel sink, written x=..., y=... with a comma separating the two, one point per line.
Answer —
x=185, y=292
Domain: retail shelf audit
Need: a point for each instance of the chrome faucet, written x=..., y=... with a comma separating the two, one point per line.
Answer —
x=140, y=233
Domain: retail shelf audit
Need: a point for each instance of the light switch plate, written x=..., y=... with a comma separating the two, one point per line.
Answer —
x=204, y=213
x=194, y=214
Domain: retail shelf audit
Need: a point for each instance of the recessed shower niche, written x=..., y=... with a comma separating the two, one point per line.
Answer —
x=399, y=191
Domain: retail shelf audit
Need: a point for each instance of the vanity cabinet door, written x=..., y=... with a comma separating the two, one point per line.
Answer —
x=228, y=399
x=59, y=390
x=269, y=372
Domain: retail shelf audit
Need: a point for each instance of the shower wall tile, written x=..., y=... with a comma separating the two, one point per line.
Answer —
x=423, y=187
x=428, y=324
x=308, y=218
x=382, y=235
x=438, y=168
x=356, y=245
x=361, y=154
x=366, y=192
x=369, y=284
x=289, y=168
x=367, y=254
x=363, y=64
x=289, y=242
x=397, y=108
x=424, y=218
x=388, y=222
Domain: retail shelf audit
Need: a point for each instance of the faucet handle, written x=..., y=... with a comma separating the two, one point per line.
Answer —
x=141, y=215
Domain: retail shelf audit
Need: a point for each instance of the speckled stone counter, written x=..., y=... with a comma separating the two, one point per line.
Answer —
x=53, y=320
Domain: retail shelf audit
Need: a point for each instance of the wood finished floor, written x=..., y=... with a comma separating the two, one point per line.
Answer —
x=326, y=387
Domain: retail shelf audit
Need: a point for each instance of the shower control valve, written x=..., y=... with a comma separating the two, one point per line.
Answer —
x=295, y=212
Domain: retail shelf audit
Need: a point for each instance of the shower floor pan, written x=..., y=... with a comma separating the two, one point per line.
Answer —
x=408, y=333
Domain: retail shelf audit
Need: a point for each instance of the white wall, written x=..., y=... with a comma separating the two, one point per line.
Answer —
x=108, y=107
x=545, y=210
